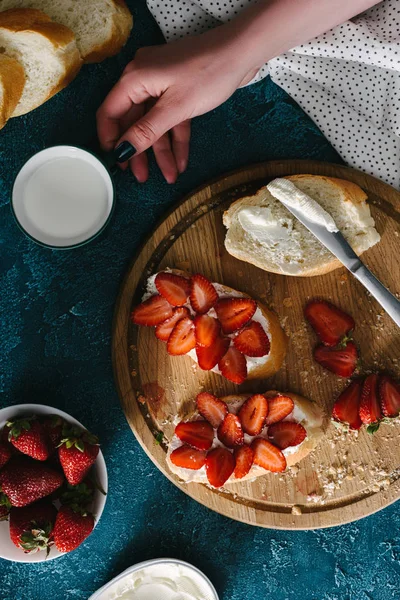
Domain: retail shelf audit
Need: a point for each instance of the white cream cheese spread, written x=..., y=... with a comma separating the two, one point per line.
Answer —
x=259, y=222
x=292, y=197
x=160, y=581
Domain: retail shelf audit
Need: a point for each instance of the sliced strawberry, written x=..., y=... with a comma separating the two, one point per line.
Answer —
x=211, y=408
x=207, y=329
x=152, y=311
x=209, y=357
x=389, y=396
x=341, y=361
x=253, y=413
x=220, y=464
x=203, y=295
x=188, y=458
x=347, y=406
x=182, y=338
x=329, y=322
x=173, y=288
x=198, y=434
x=279, y=407
x=164, y=329
x=268, y=456
x=252, y=340
x=244, y=456
x=234, y=313
x=285, y=434
x=370, y=411
x=233, y=366
x=230, y=432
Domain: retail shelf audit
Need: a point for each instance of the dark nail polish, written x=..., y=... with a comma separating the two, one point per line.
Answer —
x=124, y=152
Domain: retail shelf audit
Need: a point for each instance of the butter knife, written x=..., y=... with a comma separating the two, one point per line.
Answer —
x=337, y=244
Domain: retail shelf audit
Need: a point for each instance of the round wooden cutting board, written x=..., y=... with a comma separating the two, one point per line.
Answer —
x=348, y=476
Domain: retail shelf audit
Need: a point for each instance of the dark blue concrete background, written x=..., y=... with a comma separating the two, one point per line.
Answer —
x=56, y=310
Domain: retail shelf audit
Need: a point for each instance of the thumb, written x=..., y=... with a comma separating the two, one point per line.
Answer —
x=163, y=116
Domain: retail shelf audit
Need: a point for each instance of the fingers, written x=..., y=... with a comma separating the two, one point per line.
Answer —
x=140, y=167
x=163, y=116
x=180, y=144
x=165, y=158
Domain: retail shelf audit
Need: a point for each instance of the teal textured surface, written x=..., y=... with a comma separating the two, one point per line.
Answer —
x=56, y=310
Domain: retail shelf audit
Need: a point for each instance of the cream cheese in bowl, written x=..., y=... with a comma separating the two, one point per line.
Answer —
x=161, y=579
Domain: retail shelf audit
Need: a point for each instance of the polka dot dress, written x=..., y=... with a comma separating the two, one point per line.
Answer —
x=347, y=80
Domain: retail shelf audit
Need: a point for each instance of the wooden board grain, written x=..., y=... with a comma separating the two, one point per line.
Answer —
x=349, y=476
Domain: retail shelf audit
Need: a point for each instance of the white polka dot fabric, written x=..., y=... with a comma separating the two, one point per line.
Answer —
x=347, y=80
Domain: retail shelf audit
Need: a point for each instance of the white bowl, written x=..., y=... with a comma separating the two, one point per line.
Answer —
x=102, y=594
x=7, y=548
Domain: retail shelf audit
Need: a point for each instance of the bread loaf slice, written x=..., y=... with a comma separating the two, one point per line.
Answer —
x=101, y=27
x=46, y=50
x=12, y=81
x=292, y=249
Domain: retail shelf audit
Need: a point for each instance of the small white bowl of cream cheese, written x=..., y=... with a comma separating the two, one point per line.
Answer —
x=158, y=579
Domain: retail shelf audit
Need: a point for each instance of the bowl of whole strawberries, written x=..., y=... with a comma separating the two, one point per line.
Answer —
x=53, y=483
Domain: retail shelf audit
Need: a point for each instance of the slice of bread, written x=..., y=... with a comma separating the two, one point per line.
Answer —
x=101, y=27
x=293, y=250
x=257, y=368
x=46, y=50
x=305, y=412
x=12, y=81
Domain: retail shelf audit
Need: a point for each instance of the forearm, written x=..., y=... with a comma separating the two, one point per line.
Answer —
x=273, y=27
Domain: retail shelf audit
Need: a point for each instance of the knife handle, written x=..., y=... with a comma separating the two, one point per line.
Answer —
x=385, y=298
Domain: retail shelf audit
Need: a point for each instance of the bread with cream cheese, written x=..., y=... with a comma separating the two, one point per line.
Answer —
x=261, y=230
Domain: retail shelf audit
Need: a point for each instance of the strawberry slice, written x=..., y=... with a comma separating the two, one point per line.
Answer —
x=209, y=357
x=203, y=295
x=347, y=406
x=211, y=408
x=389, y=396
x=279, y=407
x=329, y=322
x=244, y=456
x=341, y=361
x=253, y=413
x=234, y=313
x=188, y=458
x=152, y=311
x=207, y=330
x=182, y=338
x=198, y=434
x=173, y=288
x=370, y=411
x=285, y=434
x=268, y=456
x=252, y=340
x=164, y=329
x=230, y=432
x=220, y=464
x=233, y=366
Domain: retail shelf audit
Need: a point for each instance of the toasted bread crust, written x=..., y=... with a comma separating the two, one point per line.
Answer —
x=353, y=194
x=122, y=25
x=12, y=77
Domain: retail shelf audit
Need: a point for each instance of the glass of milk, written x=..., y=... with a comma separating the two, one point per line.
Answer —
x=63, y=197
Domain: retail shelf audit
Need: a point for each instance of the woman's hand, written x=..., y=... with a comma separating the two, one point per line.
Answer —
x=162, y=89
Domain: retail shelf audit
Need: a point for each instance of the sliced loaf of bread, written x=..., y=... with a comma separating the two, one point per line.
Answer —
x=46, y=50
x=261, y=231
x=12, y=81
x=101, y=27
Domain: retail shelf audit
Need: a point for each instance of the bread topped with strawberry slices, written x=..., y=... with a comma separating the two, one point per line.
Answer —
x=241, y=437
x=221, y=329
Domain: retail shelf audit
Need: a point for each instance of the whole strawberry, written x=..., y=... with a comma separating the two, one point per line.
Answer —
x=53, y=426
x=71, y=528
x=5, y=454
x=31, y=527
x=5, y=506
x=29, y=437
x=77, y=452
x=24, y=480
